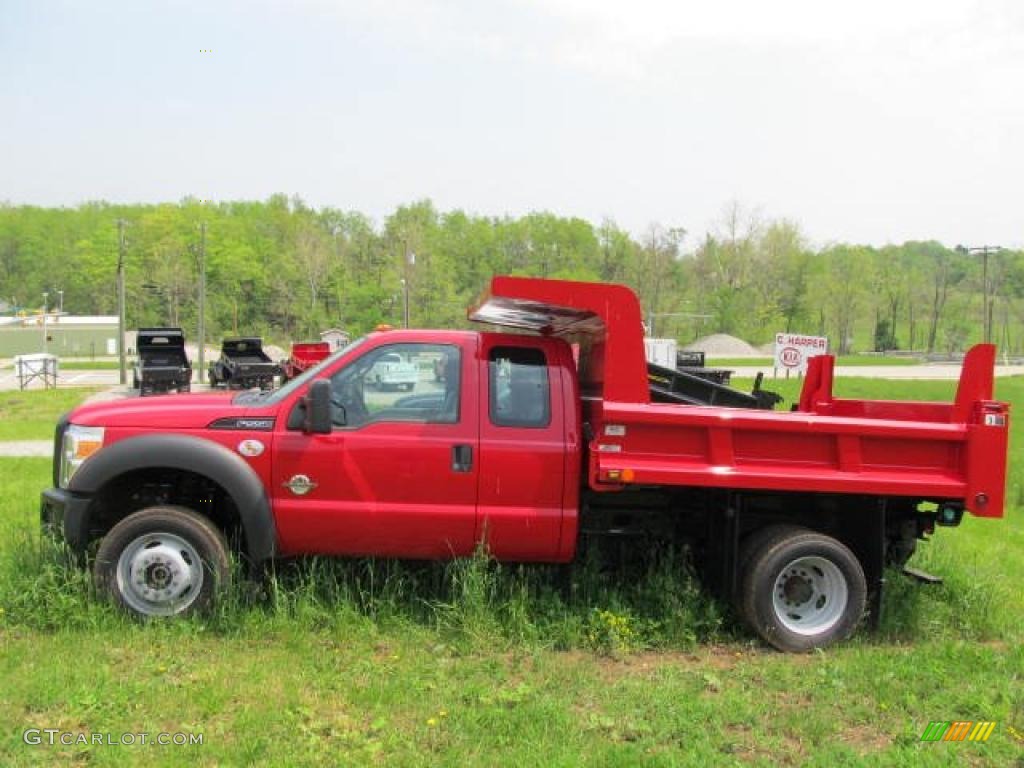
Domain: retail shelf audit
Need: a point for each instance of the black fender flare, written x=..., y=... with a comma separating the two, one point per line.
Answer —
x=192, y=454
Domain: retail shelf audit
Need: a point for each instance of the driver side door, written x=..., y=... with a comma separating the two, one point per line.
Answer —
x=397, y=476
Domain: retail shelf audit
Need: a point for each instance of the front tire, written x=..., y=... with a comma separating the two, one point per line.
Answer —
x=802, y=590
x=163, y=561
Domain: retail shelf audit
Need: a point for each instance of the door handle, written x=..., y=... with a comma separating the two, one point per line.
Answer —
x=462, y=458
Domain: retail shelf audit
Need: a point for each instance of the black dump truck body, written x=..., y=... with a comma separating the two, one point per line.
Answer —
x=680, y=385
x=243, y=365
x=692, y=362
x=162, y=365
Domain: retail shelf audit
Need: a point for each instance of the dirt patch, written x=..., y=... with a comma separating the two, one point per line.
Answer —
x=643, y=664
x=865, y=739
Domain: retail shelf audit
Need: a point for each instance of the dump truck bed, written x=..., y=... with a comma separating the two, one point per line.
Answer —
x=162, y=364
x=243, y=364
x=952, y=453
x=304, y=356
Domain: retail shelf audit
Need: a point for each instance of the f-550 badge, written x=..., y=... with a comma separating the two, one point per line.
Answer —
x=300, y=485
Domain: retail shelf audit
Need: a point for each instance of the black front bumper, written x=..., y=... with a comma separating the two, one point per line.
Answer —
x=66, y=516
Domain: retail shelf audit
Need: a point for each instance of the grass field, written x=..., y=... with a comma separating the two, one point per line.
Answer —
x=858, y=360
x=363, y=662
x=32, y=414
x=92, y=365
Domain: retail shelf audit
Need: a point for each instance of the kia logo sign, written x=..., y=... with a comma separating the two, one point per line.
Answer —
x=792, y=350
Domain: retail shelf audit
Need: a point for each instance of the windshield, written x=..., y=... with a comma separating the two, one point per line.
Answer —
x=277, y=395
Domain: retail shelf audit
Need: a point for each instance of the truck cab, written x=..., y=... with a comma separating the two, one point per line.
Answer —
x=489, y=454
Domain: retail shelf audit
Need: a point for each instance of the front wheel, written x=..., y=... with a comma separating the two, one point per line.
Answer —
x=802, y=590
x=163, y=561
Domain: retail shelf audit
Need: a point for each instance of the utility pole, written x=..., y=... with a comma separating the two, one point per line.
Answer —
x=405, y=302
x=986, y=302
x=408, y=259
x=46, y=296
x=122, y=362
x=202, y=299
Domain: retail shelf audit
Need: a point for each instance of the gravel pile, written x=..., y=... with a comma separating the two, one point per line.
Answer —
x=722, y=345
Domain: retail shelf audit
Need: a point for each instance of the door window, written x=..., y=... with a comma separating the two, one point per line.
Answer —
x=520, y=394
x=399, y=382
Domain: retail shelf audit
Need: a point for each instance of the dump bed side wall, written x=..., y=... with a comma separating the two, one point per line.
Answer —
x=708, y=447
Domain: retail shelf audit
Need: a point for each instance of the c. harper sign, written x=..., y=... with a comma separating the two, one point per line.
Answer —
x=792, y=351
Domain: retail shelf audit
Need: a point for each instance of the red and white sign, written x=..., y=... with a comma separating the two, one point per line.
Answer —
x=792, y=351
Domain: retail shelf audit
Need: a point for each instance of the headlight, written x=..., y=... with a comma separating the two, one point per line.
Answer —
x=79, y=444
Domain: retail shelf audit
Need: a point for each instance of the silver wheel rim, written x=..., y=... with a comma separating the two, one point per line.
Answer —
x=810, y=595
x=159, y=574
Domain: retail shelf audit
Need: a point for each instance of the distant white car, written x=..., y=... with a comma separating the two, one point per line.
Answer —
x=391, y=372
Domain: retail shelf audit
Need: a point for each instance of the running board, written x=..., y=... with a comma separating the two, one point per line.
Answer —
x=922, y=576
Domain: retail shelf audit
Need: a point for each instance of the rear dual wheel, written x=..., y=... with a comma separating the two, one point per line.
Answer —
x=800, y=589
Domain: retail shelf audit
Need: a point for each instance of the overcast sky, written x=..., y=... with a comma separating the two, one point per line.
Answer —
x=877, y=121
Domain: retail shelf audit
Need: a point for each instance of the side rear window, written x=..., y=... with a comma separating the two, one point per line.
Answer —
x=520, y=393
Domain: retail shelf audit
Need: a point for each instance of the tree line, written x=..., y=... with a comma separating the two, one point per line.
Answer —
x=285, y=270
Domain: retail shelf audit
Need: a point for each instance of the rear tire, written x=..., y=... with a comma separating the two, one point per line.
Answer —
x=751, y=544
x=801, y=589
x=163, y=561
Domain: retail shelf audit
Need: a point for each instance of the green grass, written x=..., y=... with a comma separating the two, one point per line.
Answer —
x=356, y=662
x=858, y=360
x=32, y=414
x=876, y=360
x=874, y=389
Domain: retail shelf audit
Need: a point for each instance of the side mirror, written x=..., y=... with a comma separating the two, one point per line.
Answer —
x=318, y=408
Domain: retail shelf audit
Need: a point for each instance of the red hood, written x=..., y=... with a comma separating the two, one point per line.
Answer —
x=184, y=411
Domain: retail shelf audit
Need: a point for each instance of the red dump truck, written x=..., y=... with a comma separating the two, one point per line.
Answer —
x=529, y=443
x=303, y=357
